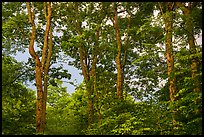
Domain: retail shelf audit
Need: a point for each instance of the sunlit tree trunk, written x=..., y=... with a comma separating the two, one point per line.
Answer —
x=44, y=55
x=39, y=66
x=46, y=78
x=169, y=55
x=168, y=20
x=38, y=74
x=120, y=60
x=119, y=83
x=169, y=52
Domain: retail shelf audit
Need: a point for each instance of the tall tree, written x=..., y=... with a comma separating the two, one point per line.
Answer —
x=84, y=43
x=41, y=69
x=187, y=11
x=167, y=11
x=88, y=75
x=120, y=60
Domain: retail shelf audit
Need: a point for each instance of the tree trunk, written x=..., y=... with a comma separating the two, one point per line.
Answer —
x=39, y=103
x=47, y=65
x=90, y=104
x=124, y=59
x=192, y=47
x=191, y=41
x=168, y=20
x=119, y=83
x=38, y=73
x=39, y=69
x=120, y=61
x=169, y=55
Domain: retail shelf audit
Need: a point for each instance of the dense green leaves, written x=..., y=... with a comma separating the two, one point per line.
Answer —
x=18, y=102
x=66, y=114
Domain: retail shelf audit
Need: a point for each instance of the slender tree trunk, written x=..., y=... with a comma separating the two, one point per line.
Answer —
x=119, y=83
x=126, y=46
x=88, y=82
x=46, y=77
x=47, y=30
x=38, y=73
x=39, y=69
x=168, y=20
x=47, y=63
x=192, y=47
x=98, y=107
x=93, y=68
x=169, y=55
x=120, y=60
x=39, y=103
x=92, y=82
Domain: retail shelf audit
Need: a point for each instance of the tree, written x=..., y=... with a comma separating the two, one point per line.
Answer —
x=187, y=11
x=40, y=66
x=168, y=20
x=120, y=61
x=87, y=52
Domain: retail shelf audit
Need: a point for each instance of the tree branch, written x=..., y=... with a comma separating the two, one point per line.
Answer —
x=160, y=7
x=48, y=24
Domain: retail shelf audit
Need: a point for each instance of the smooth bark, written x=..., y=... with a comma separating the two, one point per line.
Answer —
x=39, y=67
x=118, y=56
x=120, y=60
x=38, y=74
x=168, y=20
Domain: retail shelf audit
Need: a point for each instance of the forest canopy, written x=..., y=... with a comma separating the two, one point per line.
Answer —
x=141, y=64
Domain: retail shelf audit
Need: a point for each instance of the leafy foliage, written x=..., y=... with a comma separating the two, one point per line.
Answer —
x=66, y=114
x=18, y=102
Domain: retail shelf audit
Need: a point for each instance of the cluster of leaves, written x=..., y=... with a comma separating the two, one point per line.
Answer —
x=66, y=114
x=18, y=102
